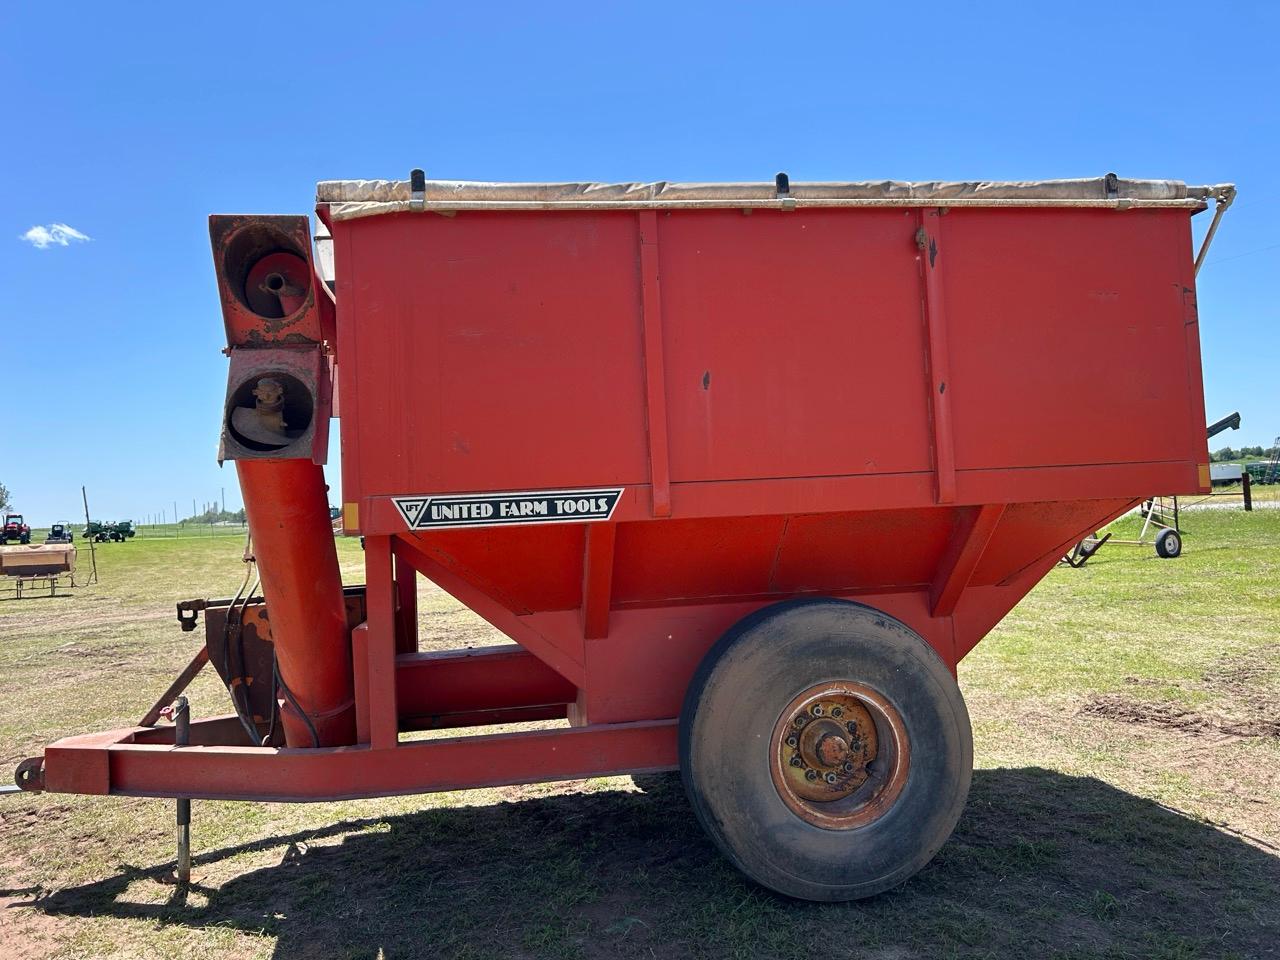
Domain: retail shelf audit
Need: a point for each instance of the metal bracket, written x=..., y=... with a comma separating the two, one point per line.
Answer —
x=27, y=778
x=1083, y=550
x=1222, y=199
x=189, y=614
x=417, y=190
x=782, y=185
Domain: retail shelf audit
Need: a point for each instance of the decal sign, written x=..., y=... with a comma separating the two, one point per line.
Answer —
x=507, y=509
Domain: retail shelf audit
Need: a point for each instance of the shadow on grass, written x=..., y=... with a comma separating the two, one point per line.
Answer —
x=1041, y=865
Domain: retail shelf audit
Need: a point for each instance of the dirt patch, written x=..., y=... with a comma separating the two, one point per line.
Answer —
x=1249, y=720
x=1243, y=701
x=1126, y=710
x=26, y=816
x=1143, y=682
x=1242, y=674
x=26, y=933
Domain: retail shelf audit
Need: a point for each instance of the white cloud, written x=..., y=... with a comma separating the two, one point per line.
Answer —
x=54, y=234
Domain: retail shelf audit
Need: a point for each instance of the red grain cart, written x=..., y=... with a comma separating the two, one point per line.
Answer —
x=743, y=469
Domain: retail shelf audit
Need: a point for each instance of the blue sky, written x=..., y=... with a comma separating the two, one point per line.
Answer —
x=130, y=123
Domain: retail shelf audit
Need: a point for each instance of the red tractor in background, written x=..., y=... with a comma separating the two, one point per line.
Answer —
x=15, y=529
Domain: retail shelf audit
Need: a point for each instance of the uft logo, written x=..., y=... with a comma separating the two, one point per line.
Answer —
x=503, y=509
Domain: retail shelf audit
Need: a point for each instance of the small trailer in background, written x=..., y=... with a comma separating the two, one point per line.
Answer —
x=33, y=569
x=1224, y=473
x=743, y=470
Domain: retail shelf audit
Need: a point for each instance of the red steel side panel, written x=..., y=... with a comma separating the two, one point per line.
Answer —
x=794, y=344
x=501, y=351
x=1067, y=337
x=489, y=352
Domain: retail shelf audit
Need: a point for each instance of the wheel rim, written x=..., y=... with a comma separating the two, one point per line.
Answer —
x=839, y=755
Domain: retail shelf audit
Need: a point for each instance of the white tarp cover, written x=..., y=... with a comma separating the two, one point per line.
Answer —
x=349, y=199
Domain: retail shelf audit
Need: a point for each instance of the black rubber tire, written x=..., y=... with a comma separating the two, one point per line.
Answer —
x=735, y=700
x=1168, y=544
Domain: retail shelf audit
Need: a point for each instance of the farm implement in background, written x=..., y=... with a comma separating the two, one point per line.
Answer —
x=640, y=429
x=115, y=531
x=37, y=569
x=1161, y=520
x=1268, y=471
x=60, y=533
x=15, y=530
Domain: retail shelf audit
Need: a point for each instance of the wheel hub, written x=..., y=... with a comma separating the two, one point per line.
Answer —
x=839, y=755
x=829, y=740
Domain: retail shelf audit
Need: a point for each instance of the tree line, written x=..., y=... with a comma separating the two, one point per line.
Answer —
x=213, y=515
x=1243, y=453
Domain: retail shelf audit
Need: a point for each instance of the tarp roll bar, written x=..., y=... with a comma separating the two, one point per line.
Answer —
x=351, y=199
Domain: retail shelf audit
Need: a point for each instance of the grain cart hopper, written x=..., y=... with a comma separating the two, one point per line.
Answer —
x=640, y=429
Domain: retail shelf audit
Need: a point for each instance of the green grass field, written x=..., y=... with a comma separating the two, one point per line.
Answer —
x=1126, y=802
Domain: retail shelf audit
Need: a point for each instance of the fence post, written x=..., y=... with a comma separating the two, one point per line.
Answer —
x=1247, y=491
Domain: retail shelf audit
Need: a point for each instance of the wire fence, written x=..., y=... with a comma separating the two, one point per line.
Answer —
x=158, y=531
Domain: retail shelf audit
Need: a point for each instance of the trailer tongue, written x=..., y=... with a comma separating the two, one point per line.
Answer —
x=641, y=430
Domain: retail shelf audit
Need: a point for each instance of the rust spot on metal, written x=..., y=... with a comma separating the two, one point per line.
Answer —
x=706, y=380
x=933, y=251
x=832, y=750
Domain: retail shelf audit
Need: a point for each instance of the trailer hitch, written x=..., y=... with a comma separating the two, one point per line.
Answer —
x=189, y=613
x=27, y=778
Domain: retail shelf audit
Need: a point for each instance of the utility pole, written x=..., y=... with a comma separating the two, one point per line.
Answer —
x=224, y=499
x=93, y=554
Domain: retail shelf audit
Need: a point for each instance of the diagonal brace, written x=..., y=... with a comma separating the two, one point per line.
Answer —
x=969, y=540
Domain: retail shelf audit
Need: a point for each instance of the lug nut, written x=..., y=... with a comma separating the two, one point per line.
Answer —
x=848, y=766
x=837, y=711
x=797, y=762
x=830, y=778
x=801, y=720
x=811, y=774
x=792, y=741
x=816, y=709
x=851, y=727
